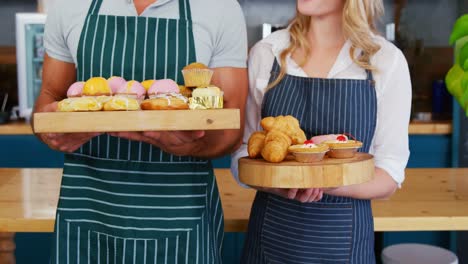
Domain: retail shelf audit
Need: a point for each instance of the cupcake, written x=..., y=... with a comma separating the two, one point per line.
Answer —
x=164, y=95
x=341, y=147
x=197, y=75
x=308, y=151
x=115, y=83
x=147, y=84
x=206, y=98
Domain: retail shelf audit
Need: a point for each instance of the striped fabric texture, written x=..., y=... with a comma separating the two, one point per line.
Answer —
x=335, y=229
x=123, y=201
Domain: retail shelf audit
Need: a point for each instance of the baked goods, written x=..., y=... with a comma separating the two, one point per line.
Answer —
x=210, y=97
x=287, y=124
x=341, y=147
x=185, y=91
x=147, y=84
x=76, y=102
x=276, y=146
x=75, y=90
x=96, y=86
x=79, y=104
x=197, y=75
x=308, y=151
x=256, y=144
x=164, y=94
x=132, y=89
x=115, y=83
x=121, y=103
x=273, y=143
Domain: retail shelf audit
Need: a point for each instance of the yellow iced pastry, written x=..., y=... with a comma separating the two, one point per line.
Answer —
x=121, y=103
x=79, y=104
x=96, y=86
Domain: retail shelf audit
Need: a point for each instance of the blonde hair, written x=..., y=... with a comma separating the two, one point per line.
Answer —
x=358, y=23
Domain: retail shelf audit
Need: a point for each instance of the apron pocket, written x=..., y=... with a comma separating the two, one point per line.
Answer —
x=81, y=242
x=307, y=233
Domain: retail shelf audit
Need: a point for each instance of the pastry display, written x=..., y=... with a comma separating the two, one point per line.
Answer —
x=197, y=75
x=164, y=95
x=341, y=147
x=210, y=97
x=115, y=83
x=287, y=124
x=309, y=151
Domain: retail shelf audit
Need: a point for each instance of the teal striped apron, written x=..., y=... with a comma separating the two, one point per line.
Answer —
x=124, y=201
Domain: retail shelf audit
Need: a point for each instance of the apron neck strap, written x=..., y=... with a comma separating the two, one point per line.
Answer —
x=184, y=9
x=94, y=7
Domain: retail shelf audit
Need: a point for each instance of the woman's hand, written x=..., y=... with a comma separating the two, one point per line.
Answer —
x=302, y=195
x=182, y=143
x=65, y=142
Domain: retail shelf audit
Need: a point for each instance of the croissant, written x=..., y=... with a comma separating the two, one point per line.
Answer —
x=256, y=144
x=286, y=124
x=276, y=146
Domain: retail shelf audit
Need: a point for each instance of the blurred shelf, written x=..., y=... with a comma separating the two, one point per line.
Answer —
x=7, y=55
x=38, y=60
x=415, y=128
x=430, y=128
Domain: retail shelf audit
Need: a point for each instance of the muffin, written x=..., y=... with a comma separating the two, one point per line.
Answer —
x=197, y=75
x=341, y=147
x=206, y=98
x=308, y=151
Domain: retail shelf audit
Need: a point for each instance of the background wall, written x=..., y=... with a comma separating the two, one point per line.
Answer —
x=8, y=8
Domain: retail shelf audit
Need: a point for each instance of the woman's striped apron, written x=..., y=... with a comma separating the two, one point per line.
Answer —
x=123, y=201
x=335, y=229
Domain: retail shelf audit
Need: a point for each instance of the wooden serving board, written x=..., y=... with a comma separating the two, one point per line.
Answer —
x=144, y=120
x=292, y=174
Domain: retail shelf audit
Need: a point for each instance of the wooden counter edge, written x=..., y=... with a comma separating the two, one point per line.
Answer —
x=431, y=128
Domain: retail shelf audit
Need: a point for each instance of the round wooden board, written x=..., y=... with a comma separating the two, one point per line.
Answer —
x=329, y=172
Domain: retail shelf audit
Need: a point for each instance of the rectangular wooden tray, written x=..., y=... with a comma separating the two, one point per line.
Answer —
x=144, y=120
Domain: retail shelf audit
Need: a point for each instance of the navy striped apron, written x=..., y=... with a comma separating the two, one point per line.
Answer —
x=335, y=229
x=124, y=201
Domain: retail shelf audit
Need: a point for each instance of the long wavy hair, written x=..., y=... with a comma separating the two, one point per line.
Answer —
x=359, y=17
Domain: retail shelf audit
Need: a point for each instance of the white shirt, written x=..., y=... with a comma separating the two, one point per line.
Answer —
x=393, y=88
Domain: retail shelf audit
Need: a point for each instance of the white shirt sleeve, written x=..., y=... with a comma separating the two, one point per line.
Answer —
x=259, y=66
x=230, y=47
x=54, y=36
x=390, y=145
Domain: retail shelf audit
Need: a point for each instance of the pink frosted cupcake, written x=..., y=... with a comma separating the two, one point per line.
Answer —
x=115, y=83
x=164, y=94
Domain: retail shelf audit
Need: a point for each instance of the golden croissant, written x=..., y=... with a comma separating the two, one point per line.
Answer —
x=276, y=146
x=286, y=124
x=256, y=143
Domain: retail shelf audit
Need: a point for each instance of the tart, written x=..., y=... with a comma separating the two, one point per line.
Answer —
x=342, y=147
x=308, y=152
